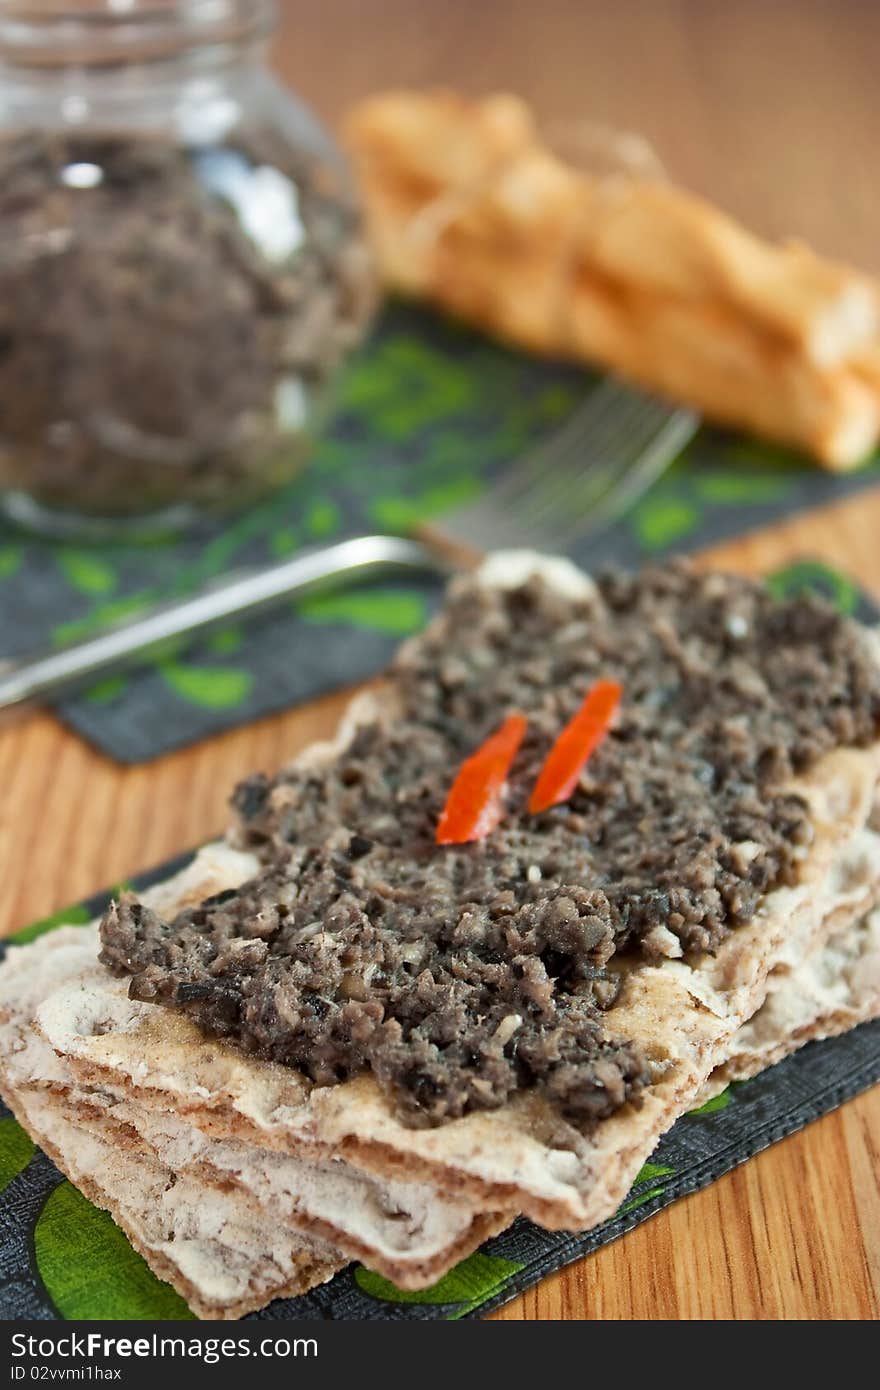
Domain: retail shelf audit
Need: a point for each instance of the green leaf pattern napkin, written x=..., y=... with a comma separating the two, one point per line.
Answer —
x=425, y=417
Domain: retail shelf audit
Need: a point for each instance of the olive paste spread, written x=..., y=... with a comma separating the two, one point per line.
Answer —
x=461, y=975
x=167, y=316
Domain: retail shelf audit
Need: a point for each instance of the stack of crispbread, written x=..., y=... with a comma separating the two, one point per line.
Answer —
x=155, y=1117
x=470, y=208
x=240, y=1182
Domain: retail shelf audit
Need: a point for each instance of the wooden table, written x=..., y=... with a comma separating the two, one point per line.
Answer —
x=757, y=104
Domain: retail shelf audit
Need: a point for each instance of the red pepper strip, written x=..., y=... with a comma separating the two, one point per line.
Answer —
x=473, y=807
x=565, y=761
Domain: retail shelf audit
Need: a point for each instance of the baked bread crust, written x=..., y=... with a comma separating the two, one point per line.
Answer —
x=468, y=208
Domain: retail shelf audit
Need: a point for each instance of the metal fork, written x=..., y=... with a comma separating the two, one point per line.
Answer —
x=575, y=484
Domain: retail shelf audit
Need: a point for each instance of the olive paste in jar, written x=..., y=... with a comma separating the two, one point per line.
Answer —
x=169, y=316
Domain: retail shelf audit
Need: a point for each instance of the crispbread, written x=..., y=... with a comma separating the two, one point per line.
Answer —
x=684, y=1016
x=833, y=989
x=403, y=1229
x=222, y=1259
x=836, y=987
x=360, y=1217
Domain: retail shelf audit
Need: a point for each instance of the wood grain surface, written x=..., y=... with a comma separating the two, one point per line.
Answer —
x=768, y=106
x=771, y=108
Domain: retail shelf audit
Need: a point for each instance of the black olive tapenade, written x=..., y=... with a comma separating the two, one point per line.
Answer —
x=462, y=975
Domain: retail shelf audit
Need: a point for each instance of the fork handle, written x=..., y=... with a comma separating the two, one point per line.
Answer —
x=49, y=673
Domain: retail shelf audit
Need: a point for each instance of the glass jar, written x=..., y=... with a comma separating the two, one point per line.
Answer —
x=181, y=265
